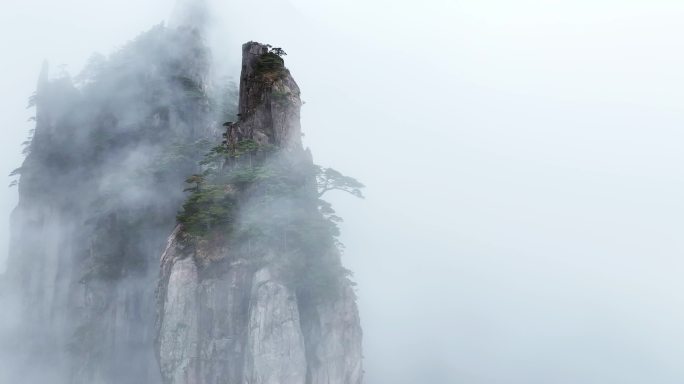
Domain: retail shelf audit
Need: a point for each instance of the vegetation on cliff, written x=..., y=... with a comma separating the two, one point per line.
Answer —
x=255, y=197
x=260, y=198
x=99, y=190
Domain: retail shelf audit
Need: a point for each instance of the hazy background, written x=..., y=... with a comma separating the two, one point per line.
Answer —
x=523, y=159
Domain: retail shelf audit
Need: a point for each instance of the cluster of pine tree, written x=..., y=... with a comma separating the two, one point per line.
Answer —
x=261, y=200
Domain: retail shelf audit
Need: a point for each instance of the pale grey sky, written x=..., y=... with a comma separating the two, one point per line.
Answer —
x=523, y=161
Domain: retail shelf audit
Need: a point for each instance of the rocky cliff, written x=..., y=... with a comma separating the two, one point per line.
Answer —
x=99, y=191
x=252, y=289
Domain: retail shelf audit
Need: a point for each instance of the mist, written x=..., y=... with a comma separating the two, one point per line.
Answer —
x=523, y=205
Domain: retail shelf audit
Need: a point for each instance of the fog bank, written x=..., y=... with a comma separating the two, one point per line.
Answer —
x=522, y=160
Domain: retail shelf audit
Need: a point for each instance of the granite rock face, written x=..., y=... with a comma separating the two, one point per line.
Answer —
x=227, y=316
x=334, y=337
x=275, y=350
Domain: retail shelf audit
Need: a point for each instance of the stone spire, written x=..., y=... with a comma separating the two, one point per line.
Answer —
x=270, y=101
x=233, y=306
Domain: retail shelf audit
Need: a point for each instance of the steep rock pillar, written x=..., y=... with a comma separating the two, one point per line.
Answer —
x=232, y=306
